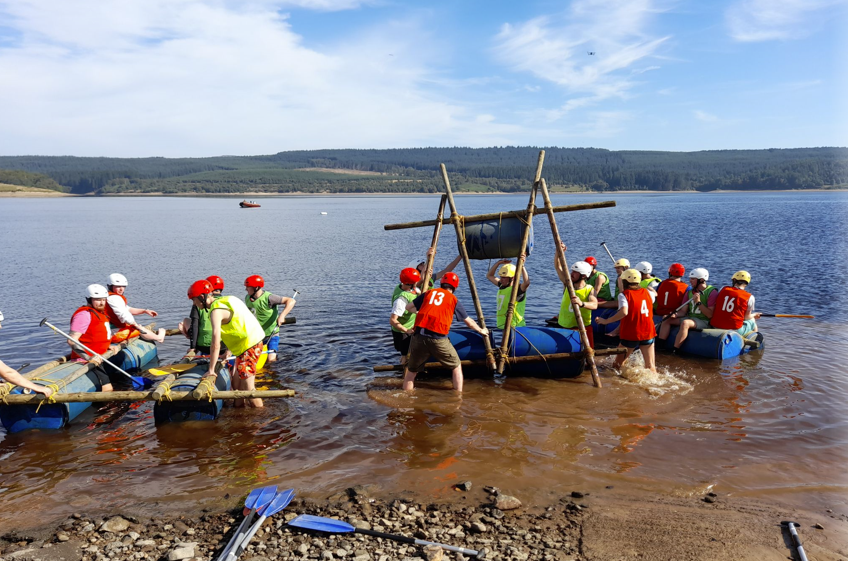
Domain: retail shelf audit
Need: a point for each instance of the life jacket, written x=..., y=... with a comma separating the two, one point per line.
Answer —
x=243, y=331
x=204, y=328
x=645, y=283
x=264, y=312
x=407, y=319
x=638, y=324
x=504, y=294
x=604, y=293
x=705, y=298
x=97, y=336
x=436, y=313
x=731, y=308
x=670, y=295
x=566, y=312
x=113, y=318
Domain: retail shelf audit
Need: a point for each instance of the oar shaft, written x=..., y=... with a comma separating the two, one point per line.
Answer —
x=236, y=534
x=413, y=541
x=608, y=252
x=102, y=397
x=680, y=307
x=88, y=350
x=787, y=316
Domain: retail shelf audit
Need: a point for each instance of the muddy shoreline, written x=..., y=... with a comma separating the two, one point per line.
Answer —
x=608, y=525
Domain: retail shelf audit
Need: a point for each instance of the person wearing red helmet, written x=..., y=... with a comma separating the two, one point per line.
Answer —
x=234, y=325
x=197, y=327
x=599, y=280
x=402, y=320
x=436, y=310
x=671, y=293
x=217, y=285
x=419, y=266
x=264, y=306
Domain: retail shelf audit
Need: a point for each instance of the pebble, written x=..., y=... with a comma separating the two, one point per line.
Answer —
x=181, y=552
x=116, y=525
x=506, y=502
x=433, y=553
x=575, y=494
x=463, y=486
x=818, y=526
x=709, y=499
x=63, y=537
x=478, y=527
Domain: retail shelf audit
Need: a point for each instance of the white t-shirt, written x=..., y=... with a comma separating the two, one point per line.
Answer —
x=622, y=301
x=399, y=307
x=120, y=308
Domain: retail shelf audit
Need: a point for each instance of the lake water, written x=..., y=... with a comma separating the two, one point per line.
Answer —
x=770, y=423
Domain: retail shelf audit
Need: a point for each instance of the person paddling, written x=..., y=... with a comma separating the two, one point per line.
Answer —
x=671, y=293
x=401, y=319
x=702, y=298
x=197, y=327
x=264, y=306
x=90, y=326
x=436, y=310
x=734, y=307
x=234, y=325
x=504, y=280
x=14, y=377
x=121, y=315
x=636, y=313
x=584, y=297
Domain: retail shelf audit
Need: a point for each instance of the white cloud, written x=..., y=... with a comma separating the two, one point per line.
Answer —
x=705, y=117
x=767, y=20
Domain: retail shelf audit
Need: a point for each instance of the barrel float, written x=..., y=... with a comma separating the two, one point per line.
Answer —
x=192, y=410
x=527, y=341
x=716, y=343
x=599, y=330
x=17, y=418
x=496, y=239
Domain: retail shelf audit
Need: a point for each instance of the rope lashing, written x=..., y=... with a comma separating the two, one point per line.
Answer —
x=206, y=384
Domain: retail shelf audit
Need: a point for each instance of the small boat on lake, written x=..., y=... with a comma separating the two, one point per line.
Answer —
x=249, y=204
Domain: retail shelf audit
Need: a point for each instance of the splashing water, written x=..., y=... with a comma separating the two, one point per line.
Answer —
x=655, y=383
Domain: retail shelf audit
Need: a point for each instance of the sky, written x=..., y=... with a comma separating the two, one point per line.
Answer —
x=137, y=78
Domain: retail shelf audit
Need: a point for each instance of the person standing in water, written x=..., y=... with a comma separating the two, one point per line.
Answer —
x=504, y=280
x=636, y=312
x=264, y=306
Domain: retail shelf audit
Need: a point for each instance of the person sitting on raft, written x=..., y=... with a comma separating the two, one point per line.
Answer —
x=422, y=264
x=121, y=315
x=14, y=377
x=236, y=326
x=506, y=275
x=436, y=310
x=402, y=320
x=734, y=307
x=648, y=280
x=584, y=298
x=197, y=327
x=264, y=305
x=636, y=312
x=599, y=280
x=90, y=326
x=702, y=299
x=671, y=293
x=620, y=266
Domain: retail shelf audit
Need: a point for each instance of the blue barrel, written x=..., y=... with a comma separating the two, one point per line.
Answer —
x=194, y=410
x=138, y=354
x=602, y=330
x=496, y=239
x=711, y=343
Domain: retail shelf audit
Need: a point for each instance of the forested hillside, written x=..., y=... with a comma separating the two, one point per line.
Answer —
x=27, y=179
x=477, y=169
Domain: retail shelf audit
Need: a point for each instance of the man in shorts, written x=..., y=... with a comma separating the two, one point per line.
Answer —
x=264, y=306
x=233, y=324
x=636, y=312
x=436, y=310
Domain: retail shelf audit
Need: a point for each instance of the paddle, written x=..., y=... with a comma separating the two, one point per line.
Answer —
x=680, y=307
x=171, y=369
x=258, y=498
x=786, y=316
x=796, y=541
x=280, y=502
x=334, y=526
x=608, y=252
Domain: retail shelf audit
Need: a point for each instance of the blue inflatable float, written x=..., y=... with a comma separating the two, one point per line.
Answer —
x=192, y=410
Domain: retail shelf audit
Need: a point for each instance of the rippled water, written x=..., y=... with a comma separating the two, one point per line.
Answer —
x=770, y=422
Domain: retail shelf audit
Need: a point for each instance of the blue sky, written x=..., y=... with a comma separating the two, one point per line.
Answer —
x=212, y=77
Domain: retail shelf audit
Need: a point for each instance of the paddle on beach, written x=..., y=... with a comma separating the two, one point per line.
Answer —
x=281, y=501
x=258, y=498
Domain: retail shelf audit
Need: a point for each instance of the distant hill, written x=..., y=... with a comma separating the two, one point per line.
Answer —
x=471, y=169
x=20, y=178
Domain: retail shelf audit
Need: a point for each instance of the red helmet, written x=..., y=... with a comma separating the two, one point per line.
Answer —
x=254, y=281
x=410, y=276
x=216, y=282
x=450, y=279
x=591, y=261
x=677, y=270
x=199, y=288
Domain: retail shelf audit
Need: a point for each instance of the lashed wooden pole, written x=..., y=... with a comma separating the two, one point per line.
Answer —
x=463, y=251
x=431, y=255
x=103, y=397
x=510, y=360
x=519, y=267
x=584, y=339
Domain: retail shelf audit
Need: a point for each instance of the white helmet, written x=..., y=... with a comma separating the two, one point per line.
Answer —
x=96, y=291
x=700, y=273
x=583, y=268
x=644, y=267
x=117, y=279
x=1, y=316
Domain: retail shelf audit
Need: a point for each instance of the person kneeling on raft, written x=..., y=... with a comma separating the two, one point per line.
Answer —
x=436, y=310
x=233, y=324
x=401, y=319
x=734, y=307
x=636, y=312
x=702, y=299
x=90, y=326
x=263, y=304
x=504, y=280
x=584, y=297
x=197, y=328
x=121, y=315
x=14, y=377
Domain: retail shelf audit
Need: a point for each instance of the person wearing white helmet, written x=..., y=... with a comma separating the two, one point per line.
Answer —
x=734, y=308
x=122, y=316
x=14, y=377
x=636, y=313
x=585, y=299
x=506, y=275
x=648, y=280
x=701, y=297
x=90, y=326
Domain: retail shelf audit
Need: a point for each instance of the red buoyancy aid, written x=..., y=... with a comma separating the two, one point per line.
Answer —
x=113, y=319
x=436, y=313
x=670, y=296
x=638, y=324
x=730, y=308
x=96, y=337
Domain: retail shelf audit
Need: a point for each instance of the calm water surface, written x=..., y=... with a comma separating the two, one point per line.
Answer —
x=770, y=423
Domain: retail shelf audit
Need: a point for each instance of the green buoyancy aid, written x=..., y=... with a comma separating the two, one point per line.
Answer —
x=604, y=293
x=407, y=320
x=504, y=294
x=566, y=313
x=644, y=283
x=204, y=328
x=243, y=331
x=264, y=312
x=705, y=297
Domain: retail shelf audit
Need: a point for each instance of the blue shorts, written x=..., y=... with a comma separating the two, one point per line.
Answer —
x=273, y=342
x=635, y=344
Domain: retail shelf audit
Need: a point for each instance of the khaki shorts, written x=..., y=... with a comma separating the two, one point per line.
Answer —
x=699, y=323
x=422, y=348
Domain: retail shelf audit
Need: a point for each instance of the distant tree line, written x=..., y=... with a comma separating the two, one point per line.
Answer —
x=27, y=179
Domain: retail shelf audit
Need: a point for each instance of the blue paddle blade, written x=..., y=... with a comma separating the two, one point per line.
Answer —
x=265, y=496
x=250, y=501
x=141, y=383
x=280, y=502
x=321, y=524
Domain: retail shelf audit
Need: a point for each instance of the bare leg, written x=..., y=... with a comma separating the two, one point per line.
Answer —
x=272, y=357
x=408, y=380
x=106, y=388
x=683, y=333
x=665, y=327
x=237, y=385
x=620, y=358
x=250, y=385
x=184, y=325
x=456, y=375
x=650, y=359
x=158, y=337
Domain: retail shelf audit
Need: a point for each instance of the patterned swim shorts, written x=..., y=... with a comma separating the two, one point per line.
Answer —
x=246, y=362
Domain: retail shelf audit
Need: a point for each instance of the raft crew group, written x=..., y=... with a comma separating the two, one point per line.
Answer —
x=216, y=327
x=421, y=322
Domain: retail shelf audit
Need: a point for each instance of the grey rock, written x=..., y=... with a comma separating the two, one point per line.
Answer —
x=328, y=555
x=116, y=525
x=63, y=537
x=145, y=543
x=90, y=527
x=478, y=528
x=484, y=553
x=21, y=553
x=361, y=524
x=433, y=553
x=361, y=555
x=577, y=494
x=341, y=553
x=463, y=486
x=707, y=499
x=506, y=502
x=303, y=548
x=818, y=526
x=180, y=553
